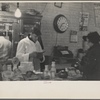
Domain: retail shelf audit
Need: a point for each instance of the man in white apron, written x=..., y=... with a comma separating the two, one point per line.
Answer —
x=29, y=49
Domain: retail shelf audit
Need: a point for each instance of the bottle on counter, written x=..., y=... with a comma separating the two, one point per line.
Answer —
x=46, y=71
x=53, y=70
x=66, y=69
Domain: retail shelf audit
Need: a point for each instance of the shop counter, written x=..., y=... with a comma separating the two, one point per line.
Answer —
x=16, y=75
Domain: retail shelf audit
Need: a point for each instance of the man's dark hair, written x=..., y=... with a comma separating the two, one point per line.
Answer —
x=36, y=31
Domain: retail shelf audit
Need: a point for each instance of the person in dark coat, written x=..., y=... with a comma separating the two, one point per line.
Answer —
x=91, y=61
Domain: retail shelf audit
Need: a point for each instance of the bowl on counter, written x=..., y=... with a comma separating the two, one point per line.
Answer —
x=62, y=74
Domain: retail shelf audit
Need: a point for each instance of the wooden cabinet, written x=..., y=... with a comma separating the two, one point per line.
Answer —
x=8, y=26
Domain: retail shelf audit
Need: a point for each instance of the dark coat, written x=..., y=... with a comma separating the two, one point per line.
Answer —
x=91, y=63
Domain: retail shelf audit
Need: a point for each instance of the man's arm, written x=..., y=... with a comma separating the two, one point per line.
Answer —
x=10, y=49
x=20, y=53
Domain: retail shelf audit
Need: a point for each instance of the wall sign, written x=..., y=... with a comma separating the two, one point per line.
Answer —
x=97, y=14
x=83, y=21
x=73, y=36
x=58, y=4
x=8, y=20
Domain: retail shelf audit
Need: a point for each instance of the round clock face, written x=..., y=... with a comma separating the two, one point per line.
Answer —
x=60, y=23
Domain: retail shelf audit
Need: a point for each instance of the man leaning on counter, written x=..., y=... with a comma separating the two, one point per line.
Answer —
x=5, y=50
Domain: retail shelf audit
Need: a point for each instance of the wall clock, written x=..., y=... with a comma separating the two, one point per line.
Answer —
x=60, y=23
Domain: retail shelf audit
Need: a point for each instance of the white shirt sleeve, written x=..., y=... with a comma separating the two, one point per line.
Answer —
x=21, y=54
x=38, y=47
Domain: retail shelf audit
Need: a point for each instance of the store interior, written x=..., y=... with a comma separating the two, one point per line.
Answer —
x=60, y=44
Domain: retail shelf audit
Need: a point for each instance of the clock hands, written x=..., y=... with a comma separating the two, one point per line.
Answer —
x=61, y=25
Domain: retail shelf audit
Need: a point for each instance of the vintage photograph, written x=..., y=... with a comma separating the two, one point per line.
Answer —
x=55, y=41
x=49, y=49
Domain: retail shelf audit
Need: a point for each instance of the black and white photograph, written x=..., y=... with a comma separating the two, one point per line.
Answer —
x=49, y=42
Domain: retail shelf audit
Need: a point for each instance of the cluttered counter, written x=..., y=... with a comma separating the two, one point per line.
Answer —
x=58, y=72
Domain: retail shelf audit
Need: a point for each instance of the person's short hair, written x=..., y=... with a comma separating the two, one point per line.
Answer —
x=93, y=37
x=36, y=31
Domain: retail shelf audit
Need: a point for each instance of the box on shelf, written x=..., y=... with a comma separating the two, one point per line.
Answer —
x=26, y=66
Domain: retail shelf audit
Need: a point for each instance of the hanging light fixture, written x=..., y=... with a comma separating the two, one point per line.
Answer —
x=18, y=12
